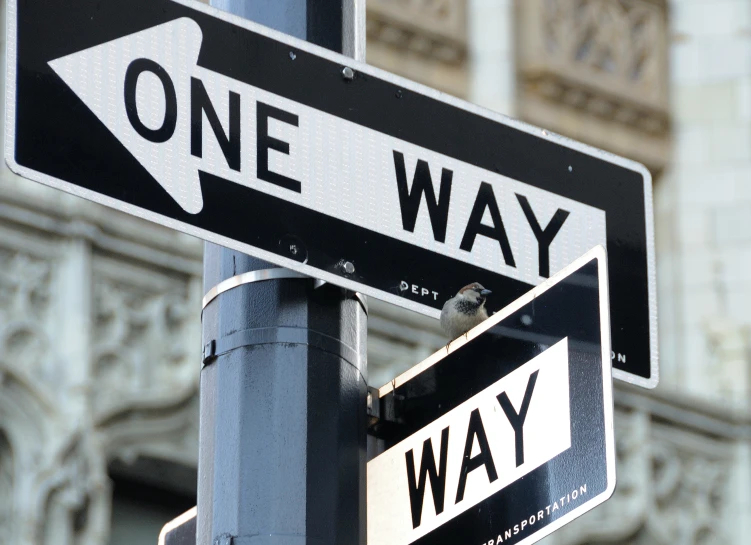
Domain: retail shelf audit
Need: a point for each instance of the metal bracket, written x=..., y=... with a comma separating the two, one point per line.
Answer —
x=362, y=299
x=374, y=407
x=384, y=414
x=209, y=351
x=224, y=539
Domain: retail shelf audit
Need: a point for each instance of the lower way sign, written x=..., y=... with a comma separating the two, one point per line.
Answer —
x=507, y=434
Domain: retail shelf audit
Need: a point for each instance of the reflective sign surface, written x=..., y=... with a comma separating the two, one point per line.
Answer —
x=187, y=116
x=507, y=434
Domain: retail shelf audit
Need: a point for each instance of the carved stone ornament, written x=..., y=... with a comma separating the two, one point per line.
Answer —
x=597, y=71
x=96, y=369
x=52, y=478
x=423, y=40
x=673, y=483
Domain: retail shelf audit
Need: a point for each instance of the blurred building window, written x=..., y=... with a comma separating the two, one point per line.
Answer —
x=140, y=510
x=6, y=488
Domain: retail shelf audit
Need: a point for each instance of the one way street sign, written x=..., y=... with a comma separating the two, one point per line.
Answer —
x=508, y=435
x=221, y=128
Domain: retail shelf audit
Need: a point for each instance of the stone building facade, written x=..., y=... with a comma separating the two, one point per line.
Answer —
x=99, y=312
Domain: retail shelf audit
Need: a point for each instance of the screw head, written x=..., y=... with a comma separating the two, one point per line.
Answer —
x=292, y=55
x=348, y=73
x=293, y=247
x=348, y=267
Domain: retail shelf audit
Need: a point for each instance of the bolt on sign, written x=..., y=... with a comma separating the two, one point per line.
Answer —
x=507, y=434
x=176, y=112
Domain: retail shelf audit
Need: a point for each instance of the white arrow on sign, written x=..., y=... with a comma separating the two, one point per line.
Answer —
x=97, y=75
x=178, y=119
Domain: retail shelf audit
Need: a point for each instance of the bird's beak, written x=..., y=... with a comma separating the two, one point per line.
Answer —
x=485, y=292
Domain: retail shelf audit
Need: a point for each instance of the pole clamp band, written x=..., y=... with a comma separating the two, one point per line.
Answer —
x=262, y=275
x=248, y=278
x=281, y=335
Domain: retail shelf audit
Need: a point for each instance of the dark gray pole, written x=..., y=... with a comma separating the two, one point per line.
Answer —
x=283, y=389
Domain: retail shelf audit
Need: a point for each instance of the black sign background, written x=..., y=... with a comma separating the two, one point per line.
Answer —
x=58, y=136
x=568, y=309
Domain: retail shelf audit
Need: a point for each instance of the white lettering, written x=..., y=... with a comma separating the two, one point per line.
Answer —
x=260, y=148
x=418, y=290
x=535, y=518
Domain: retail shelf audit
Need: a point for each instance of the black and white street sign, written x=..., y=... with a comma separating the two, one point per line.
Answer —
x=180, y=531
x=508, y=434
x=207, y=123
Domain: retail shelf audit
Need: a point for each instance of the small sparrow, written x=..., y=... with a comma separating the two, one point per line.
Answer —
x=464, y=311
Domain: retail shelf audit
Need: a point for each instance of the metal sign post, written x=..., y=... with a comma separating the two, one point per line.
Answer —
x=283, y=391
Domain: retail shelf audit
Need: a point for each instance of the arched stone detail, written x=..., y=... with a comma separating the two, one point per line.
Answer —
x=167, y=431
x=143, y=366
x=24, y=314
x=52, y=465
x=76, y=495
x=140, y=358
x=59, y=492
